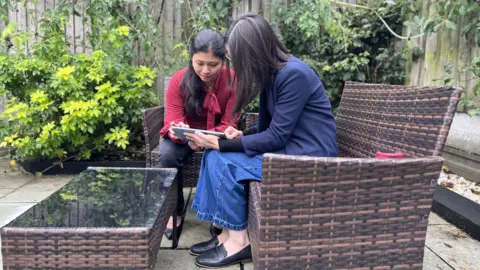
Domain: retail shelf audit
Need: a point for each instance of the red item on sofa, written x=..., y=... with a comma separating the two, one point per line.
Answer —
x=389, y=155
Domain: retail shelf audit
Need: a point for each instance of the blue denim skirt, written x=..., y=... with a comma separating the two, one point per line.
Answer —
x=221, y=194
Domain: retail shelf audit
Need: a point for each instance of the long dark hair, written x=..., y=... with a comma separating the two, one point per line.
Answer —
x=257, y=54
x=194, y=92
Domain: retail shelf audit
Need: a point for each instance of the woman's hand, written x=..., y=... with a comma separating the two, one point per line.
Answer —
x=171, y=133
x=205, y=141
x=233, y=133
x=194, y=146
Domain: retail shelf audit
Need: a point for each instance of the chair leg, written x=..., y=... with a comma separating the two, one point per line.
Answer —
x=174, y=230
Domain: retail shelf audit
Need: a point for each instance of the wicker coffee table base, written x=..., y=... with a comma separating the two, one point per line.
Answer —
x=79, y=248
x=86, y=248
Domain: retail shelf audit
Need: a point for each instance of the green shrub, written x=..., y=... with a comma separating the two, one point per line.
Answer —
x=63, y=105
x=348, y=44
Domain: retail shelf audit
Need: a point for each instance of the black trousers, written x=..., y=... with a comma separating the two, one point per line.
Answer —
x=172, y=155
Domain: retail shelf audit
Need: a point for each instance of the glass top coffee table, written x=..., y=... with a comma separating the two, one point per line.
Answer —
x=105, y=218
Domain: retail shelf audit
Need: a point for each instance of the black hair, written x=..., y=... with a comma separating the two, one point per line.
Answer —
x=257, y=54
x=194, y=92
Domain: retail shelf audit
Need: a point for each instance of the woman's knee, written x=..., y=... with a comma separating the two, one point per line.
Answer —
x=172, y=154
x=169, y=161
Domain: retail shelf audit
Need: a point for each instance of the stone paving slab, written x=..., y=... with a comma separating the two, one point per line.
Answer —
x=10, y=211
x=10, y=181
x=37, y=189
x=454, y=247
x=182, y=260
x=5, y=191
x=434, y=219
x=194, y=231
x=432, y=262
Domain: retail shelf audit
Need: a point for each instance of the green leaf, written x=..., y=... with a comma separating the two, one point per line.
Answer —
x=361, y=76
x=474, y=112
x=8, y=29
x=476, y=88
x=410, y=24
x=347, y=76
x=466, y=29
x=219, y=5
x=451, y=25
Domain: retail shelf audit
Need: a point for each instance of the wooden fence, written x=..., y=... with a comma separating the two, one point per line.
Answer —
x=438, y=49
x=27, y=15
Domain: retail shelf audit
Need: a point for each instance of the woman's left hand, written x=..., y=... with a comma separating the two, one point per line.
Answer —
x=205, y=141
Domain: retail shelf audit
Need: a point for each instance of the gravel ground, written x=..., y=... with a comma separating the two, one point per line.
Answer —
x=460, y=185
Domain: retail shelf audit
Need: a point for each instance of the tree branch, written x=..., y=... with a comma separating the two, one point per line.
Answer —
x=380, y=17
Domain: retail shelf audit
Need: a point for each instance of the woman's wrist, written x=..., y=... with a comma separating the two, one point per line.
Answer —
x=233, y=145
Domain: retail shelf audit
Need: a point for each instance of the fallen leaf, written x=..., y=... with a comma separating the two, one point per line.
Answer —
x=446, y=169
x=446, y=184
x=447, y=245
x=461, y=233
x=475, y=191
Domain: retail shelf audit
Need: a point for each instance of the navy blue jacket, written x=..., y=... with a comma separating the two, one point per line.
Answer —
x=295, y=116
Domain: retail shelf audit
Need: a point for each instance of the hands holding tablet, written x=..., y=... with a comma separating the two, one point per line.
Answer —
x=172, y=132
x=203, y=140
x=233, y=133
x=172, y=135
x=198, y=139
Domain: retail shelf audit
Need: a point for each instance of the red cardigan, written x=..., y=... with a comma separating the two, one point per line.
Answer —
x=216, y=113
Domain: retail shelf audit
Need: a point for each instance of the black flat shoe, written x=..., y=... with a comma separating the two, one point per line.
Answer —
x=169, y=232
x=217, y=257
x=214, y=231
x=203, y=247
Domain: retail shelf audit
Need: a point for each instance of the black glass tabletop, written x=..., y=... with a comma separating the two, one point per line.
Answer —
x=103, y=197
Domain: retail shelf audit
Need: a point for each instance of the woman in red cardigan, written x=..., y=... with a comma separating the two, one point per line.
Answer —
x=198, y=96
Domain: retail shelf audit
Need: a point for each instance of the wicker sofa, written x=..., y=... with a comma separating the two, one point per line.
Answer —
x=356, y=211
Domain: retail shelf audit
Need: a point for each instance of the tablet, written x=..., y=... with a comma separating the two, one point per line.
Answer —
x=180, y=133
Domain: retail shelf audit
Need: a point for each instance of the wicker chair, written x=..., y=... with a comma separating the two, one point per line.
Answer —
x=356, y=211
x=153, y=123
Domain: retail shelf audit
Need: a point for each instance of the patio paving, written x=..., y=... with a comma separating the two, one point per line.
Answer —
x=446, y=247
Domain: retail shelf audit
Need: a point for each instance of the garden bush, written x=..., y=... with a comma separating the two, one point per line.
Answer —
x=71, y=106
x=345, y=43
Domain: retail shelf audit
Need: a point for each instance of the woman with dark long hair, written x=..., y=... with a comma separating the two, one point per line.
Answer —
x=199, y=96
x=295, y=118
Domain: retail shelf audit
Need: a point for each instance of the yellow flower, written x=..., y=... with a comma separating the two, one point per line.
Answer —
x=13, y=163
x=64, y=73
x=123, y=30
